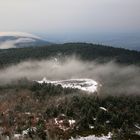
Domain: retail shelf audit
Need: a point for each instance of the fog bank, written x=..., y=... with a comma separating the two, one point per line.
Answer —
x=114, y=78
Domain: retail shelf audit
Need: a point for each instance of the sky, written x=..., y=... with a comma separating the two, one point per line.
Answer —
x=70, y=17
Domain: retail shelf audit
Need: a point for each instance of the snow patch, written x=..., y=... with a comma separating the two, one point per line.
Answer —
x=17, y=136
x=93, y=137
x=91, y=127
x=88, y=85
x=71, y=122
x=137, y=126
x=102, y=108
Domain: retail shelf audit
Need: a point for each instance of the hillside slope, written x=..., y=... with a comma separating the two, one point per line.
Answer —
x=84, y=51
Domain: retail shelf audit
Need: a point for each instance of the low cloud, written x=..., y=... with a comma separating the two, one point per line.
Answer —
x=115, y=79
x=7, y=44
x=13, y=43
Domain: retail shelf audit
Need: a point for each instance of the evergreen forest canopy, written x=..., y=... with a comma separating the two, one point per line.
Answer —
x=84, y=51
x=120, y=114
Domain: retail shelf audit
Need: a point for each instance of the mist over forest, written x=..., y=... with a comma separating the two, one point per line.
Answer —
x=113, y=77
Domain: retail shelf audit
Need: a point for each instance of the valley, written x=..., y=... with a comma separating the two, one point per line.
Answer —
x=83, y=97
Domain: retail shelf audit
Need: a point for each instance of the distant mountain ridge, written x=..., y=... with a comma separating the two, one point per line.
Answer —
x=20, y=40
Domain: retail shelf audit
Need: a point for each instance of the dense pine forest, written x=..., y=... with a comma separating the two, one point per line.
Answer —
x=37, y=106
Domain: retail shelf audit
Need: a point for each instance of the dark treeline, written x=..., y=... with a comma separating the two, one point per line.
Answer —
x=82, y=50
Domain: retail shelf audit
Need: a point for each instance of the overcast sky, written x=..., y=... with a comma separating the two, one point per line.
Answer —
x=70, y=16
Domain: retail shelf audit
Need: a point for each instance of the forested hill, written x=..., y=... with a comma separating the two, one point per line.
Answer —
x=83, y=50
